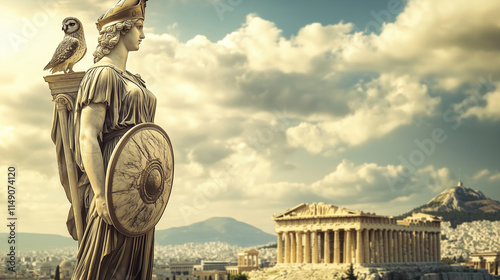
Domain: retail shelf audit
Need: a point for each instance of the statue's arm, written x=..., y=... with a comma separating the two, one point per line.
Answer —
x=91, y=124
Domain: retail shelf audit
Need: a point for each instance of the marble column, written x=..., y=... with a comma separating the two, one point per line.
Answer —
x=435, y=247
x=378, y=251
x=438, y=246
x=408, y=243
x=372, y=246
x=287, y=247
x=326, y=257
x=390, y=246
x=336, y=247
x=366, y=246
x=413, y=247
x=422, y=246
x=315, y=247
x=348, y=251
x=405, y=247
x=359, y=246
x=400, y=246
x=300, y=250
x=395, y=246
x=427, y=250
x=280, y=248
x=386, y=245
x=431, y=246
x=381, y=246
x=416, y=237
x=419, y=245
x=293, y=245
x=307, y=257
x=410, y=248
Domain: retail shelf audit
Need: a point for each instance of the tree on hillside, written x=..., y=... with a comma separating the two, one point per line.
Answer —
x=57, y=276
x=239, y=276
x=350, y=274
x=447, y=261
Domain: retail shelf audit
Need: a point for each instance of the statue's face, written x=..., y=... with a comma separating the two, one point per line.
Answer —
x=133, y=38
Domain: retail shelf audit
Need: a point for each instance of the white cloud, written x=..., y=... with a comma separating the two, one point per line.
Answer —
x=382, y=106
x=442, y=38
x=481, y=173
x=436, y=180
x=488, y=112
x=494, y=177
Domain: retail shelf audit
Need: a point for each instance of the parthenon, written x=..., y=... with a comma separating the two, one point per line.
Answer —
x=322, y=233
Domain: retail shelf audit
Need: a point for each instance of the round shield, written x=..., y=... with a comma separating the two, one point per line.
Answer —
x=139, y=179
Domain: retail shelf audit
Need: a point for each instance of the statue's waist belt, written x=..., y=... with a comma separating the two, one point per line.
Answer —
x=115, y=133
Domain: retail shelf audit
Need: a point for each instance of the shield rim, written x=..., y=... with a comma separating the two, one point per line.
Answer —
x=111, y=167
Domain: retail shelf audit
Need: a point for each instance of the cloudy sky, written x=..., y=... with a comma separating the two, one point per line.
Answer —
x=369, y=105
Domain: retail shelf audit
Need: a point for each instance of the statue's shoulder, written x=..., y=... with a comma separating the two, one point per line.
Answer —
x=104, y=69
x=102, y=74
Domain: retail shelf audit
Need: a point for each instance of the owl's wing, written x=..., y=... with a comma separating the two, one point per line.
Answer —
x=65, y=50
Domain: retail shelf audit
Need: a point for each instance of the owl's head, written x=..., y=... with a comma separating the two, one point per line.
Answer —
x=71, y=25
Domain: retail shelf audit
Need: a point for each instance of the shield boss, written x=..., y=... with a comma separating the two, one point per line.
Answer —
x=139, y=179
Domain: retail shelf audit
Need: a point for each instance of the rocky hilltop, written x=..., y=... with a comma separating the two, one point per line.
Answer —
x=461, y=199
x=460, y=204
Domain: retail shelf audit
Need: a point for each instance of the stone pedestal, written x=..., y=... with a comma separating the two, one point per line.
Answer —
x=64, y=88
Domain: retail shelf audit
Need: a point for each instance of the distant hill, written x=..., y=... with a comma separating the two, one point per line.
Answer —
x=36, y=241
x=460, y=204
x=226, y=230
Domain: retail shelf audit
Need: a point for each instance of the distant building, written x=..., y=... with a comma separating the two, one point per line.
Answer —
x=213, y=265
x=247, y=261
x=210, y=270
x=47, y=270
x=66, y=270
x=487, y=260
x=209, y=275
x=181, y=270
x=322, y=233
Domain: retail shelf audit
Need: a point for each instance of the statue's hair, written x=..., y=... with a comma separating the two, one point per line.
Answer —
x=110, y=35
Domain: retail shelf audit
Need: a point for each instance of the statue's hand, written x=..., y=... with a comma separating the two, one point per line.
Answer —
x=102, y=209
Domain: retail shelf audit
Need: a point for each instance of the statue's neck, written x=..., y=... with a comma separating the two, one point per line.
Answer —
x=117, y=57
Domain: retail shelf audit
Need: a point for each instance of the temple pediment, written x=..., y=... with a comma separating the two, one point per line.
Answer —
x=316, y=210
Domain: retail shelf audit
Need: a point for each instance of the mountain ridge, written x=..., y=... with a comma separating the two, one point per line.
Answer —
x=224, y=229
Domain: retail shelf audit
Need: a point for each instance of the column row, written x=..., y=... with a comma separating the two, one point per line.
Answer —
x=358, y=246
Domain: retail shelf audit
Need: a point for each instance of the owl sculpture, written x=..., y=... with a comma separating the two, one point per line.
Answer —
x=71, y=49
